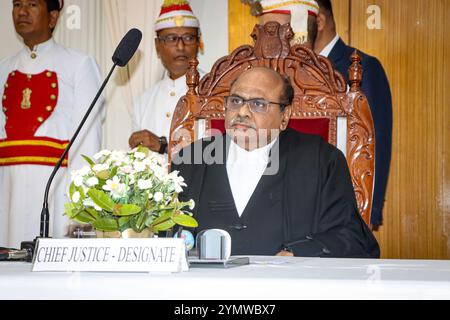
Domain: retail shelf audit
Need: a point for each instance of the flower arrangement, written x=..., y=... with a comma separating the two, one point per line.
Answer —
x=128, y=190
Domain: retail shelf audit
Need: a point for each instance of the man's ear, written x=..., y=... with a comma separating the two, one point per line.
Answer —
x=287, y=113
x=54, y=16
x=158, y=47
x=321, y=21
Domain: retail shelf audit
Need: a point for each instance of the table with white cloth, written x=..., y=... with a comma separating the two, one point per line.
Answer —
x=266, y=278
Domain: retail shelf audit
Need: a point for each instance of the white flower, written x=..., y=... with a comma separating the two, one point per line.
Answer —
x=76, y=197
x=144, y=184
x=116, y=188
x=147, y=161
x=126, y=169
x=79, y=175
x=78, y=181
x=92, y=182
x=118, y=156
x=158, y=171
x=158, y=196
x=160, y=159
x=101, y=154
x=139, y=155
x=178, y=181
x=100, y=167
x=139, y=166
x=84, y=171
x=191, y=204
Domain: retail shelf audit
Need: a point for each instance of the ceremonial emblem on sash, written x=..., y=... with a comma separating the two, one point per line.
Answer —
x=26, y=99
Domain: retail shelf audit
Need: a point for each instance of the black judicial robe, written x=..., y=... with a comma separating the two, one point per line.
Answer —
x=308, y=207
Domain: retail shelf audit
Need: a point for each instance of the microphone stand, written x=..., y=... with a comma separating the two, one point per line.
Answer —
x=45, y=214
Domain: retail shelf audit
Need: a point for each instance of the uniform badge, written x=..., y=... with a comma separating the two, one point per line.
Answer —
x=26, y=99
x=179, y=21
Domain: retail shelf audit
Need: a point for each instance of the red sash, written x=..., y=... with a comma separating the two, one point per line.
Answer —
x=28, y=101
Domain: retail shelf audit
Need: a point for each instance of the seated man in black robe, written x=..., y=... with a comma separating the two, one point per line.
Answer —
x=276, y=191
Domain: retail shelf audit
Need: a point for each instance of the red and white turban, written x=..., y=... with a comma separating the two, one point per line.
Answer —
x=176, y=13
x=299, y=11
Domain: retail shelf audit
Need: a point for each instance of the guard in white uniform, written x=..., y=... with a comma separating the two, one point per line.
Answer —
x=178, y=41
x=46, y=90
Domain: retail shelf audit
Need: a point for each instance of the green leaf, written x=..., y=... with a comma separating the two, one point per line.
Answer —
x=123, y=221
x=104, y=175
x=84, y=217
x=140, y=223
x=163, y=226
x=69, y=210
x=185, y=221
x=102, y=200
x=72, y=190
x=163, y=218
x=149, y=221
x=143, y=150
x=94, y=213
x=126, y=210
x=88, y=160
x=113, y=172
x=82, y=194
x=106, y=225
x=163, y=223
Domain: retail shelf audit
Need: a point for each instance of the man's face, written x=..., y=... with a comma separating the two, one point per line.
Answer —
x=277, y=17
x=32, y=19
x=246, y=126
x=175, y=56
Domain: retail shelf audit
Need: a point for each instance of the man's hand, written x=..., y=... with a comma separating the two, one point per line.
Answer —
x=285, y=254
x=145, y=138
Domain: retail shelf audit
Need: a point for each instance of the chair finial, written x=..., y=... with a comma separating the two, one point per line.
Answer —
x=355, y=72
x=192, y=77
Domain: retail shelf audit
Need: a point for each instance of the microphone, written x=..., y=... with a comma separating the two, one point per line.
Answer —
x=124, y=52
x=127, y=47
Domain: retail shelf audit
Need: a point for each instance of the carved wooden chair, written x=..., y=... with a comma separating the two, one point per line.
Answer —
x=322, y=105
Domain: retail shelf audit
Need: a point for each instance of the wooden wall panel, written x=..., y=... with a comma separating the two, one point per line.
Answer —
x=241, y=22
x=414, y=49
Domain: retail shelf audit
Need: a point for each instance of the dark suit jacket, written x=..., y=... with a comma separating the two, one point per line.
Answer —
x=319, y=210
x=375, y=86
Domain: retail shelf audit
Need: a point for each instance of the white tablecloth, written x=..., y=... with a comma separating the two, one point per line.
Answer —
x=265, y=278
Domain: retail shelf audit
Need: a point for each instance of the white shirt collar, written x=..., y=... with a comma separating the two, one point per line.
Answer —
x=327, y=50
x=179, y=83
x=41, y=47
x=245, y=170
x=237, y=154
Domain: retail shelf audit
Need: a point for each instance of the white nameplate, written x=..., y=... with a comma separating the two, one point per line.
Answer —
x=110, y=255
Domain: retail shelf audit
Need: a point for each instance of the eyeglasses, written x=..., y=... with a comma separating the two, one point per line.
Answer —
x=172, y=39
x=258, y=105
